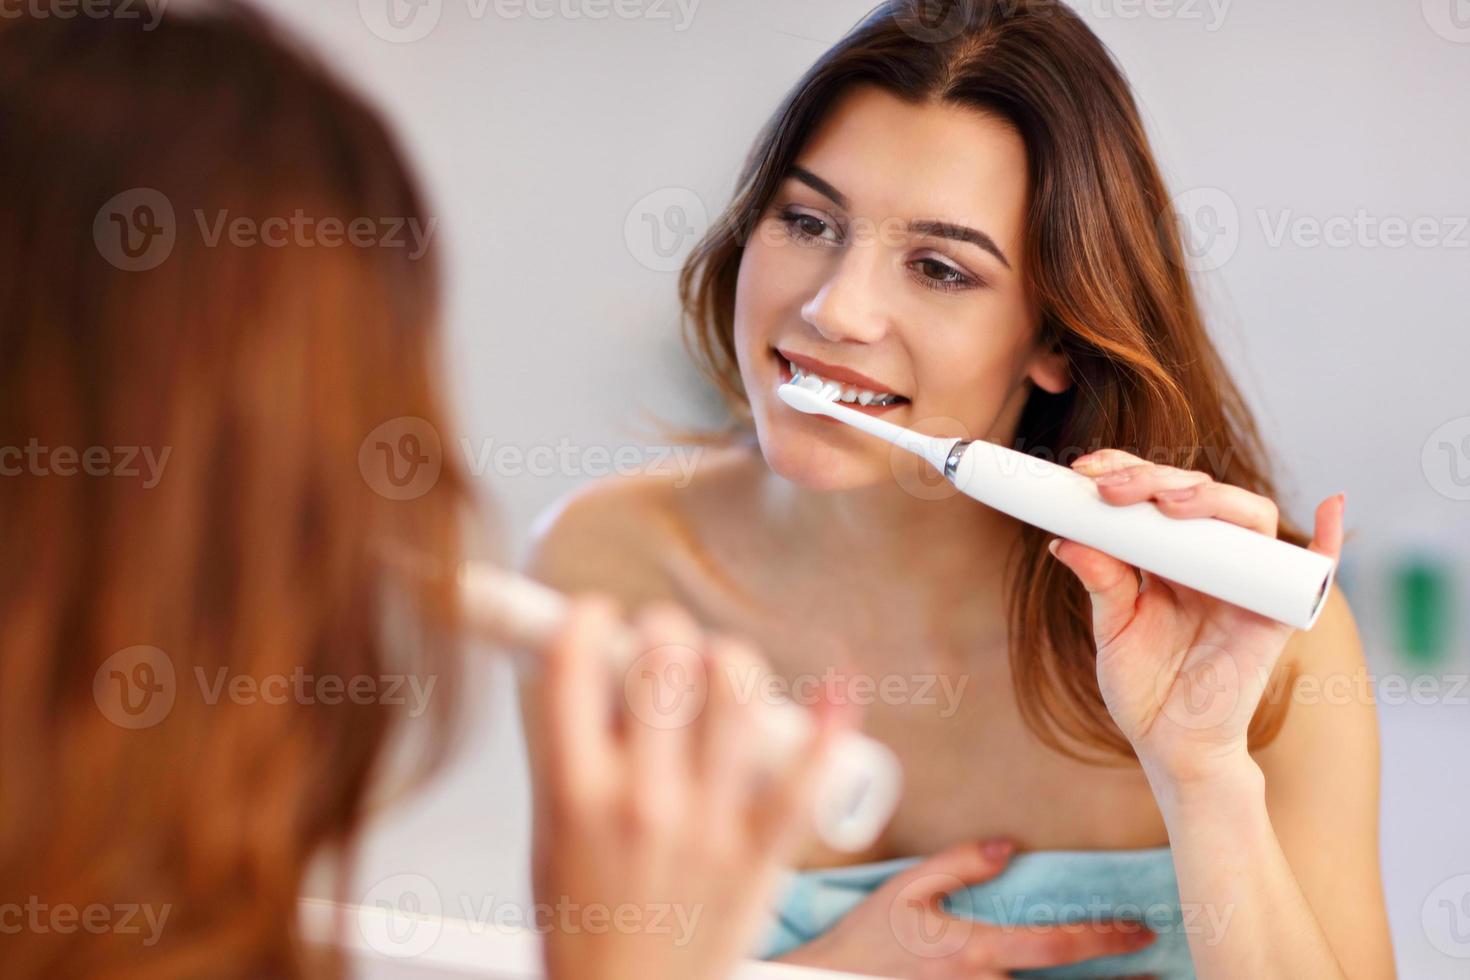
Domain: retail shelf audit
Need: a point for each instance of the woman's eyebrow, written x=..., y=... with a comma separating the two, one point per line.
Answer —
x=960, y=233
x=819, y=185
x=934, y=228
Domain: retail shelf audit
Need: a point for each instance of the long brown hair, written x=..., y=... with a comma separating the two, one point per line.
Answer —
x=1108, y=274
x=195, y=540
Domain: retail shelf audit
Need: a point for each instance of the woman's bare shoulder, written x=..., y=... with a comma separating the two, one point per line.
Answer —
x=623, y=535
x=1330, y=697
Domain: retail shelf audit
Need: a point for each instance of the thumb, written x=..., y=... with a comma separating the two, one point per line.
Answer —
x=955, y=867
x=1112, y=585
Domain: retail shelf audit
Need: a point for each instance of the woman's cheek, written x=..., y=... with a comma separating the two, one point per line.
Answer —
x=758, y=295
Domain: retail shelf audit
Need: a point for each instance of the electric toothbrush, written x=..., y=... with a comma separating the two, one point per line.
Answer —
x=1273, y=578
x=860, y=787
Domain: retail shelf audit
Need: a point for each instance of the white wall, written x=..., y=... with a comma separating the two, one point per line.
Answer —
x=539, y=136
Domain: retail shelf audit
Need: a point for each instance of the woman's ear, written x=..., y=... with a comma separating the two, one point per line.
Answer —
x=1049, y=371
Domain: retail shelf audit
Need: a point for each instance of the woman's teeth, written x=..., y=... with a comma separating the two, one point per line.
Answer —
x=849, y=394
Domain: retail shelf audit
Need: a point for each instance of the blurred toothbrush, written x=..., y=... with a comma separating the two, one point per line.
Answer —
x=861, y=786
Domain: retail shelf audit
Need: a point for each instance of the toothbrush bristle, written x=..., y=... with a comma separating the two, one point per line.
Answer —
x=803, y=399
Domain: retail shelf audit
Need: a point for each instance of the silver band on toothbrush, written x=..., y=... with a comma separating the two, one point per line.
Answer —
x=952, y=461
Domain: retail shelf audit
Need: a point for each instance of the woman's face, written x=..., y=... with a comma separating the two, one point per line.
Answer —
x=889, y=261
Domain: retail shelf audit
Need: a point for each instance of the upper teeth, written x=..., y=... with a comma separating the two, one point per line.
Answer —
x=847, y=393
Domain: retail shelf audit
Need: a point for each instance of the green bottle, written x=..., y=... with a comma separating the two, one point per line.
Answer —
x=1421, y=588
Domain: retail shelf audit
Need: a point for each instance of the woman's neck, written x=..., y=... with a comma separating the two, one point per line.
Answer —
x=886, y=526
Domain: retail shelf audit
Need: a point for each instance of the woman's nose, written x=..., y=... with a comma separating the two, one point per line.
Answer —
x=848, y=305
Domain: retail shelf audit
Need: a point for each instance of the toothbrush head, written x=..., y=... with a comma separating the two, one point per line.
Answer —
x=812, y=401
x=821, y=399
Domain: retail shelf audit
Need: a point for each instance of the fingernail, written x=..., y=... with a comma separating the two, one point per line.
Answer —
x=1179, y=493
x=996, y=849
x=1053, y=545
x=1113, y=478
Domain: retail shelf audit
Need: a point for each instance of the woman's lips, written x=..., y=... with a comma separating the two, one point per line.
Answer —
x=842, y=378
x=835, y=373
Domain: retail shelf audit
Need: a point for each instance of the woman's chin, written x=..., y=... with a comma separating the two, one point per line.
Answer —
x=813, y=465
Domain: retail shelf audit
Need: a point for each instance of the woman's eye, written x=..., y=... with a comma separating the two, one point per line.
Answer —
x=808, y=227
x=941, y=275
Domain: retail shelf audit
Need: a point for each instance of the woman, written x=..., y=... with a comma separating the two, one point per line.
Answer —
x=200, y=655
x=956, y=217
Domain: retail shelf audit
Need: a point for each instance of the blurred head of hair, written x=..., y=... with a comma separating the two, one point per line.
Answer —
x=221, y=438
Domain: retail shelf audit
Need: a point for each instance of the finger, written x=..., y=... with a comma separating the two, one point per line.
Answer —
x=664, y=691
x=957, y=866
x=1102, y=460
x=1131, y=484
x=1327, y=538
x=727, y=732
x=576, y=712
x=1037, y=947
x=1112, y=585
x=1236, y=505
x=784, y=807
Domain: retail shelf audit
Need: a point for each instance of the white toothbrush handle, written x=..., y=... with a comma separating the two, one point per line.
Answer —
x=860, y=787
x=1265, y=575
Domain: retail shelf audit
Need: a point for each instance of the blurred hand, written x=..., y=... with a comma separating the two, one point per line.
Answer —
x=661, y=834
x=900, y=930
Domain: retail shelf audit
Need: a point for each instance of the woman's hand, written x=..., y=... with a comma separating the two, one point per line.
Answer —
x=1181, y=672
x=900, y=930
x=662, y=836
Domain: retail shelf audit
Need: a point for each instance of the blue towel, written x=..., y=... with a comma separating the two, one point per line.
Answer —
x=1036, y=888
